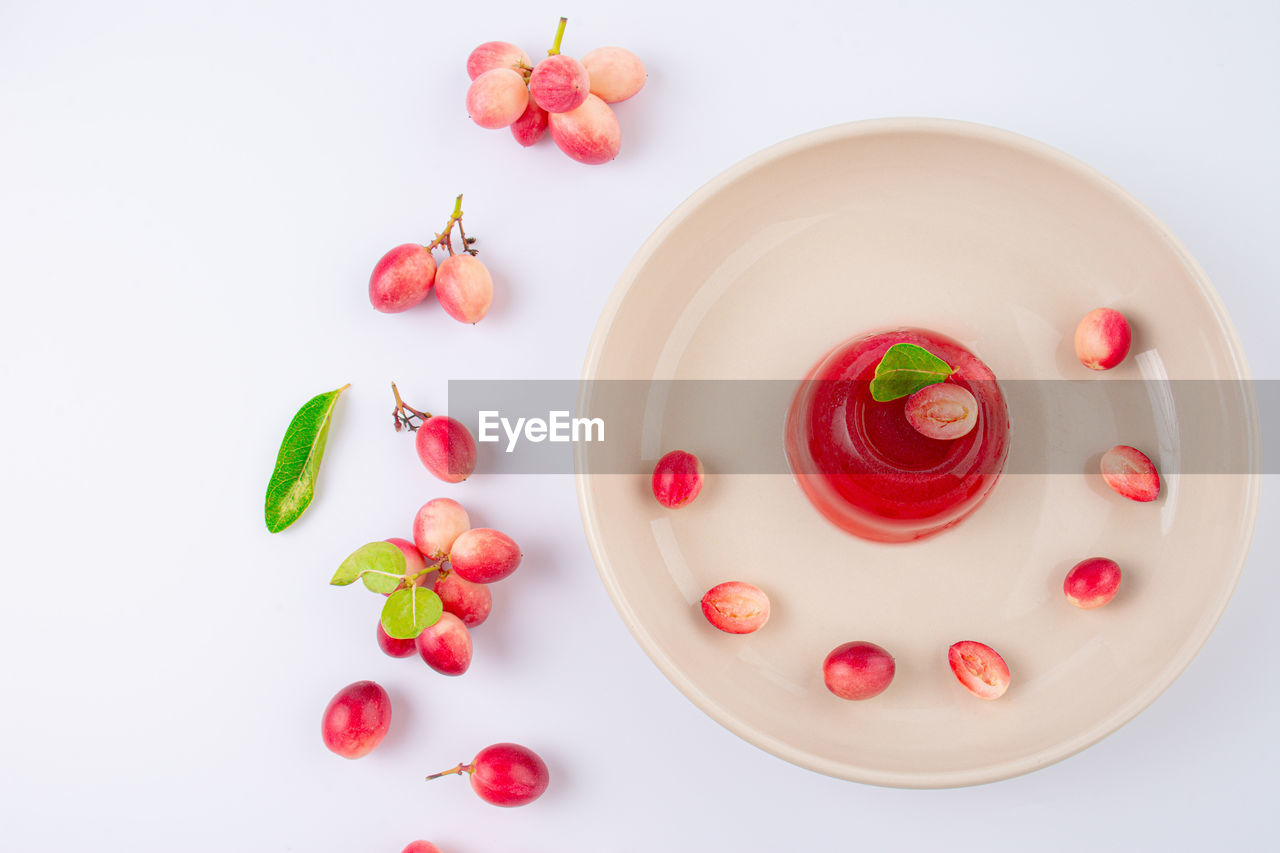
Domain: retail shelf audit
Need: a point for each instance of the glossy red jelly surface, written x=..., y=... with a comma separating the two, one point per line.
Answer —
x=866, y=468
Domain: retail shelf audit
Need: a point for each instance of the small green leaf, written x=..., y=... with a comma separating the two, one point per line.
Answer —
x=904, y=370
x=380, y=565
x=293, y=482
x=409, y=612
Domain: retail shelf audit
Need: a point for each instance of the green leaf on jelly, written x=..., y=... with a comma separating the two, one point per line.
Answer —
x=381, y=565
x=409, y=612
x=905, y=369
x=293, y=482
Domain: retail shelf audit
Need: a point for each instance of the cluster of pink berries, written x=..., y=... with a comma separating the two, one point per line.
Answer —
x=404, y=276
x=567, y=96
x=464, y=561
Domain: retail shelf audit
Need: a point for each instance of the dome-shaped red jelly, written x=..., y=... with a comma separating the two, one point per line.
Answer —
x=866, y=468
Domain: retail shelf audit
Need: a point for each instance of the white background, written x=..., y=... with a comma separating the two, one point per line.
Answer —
x=191, y=198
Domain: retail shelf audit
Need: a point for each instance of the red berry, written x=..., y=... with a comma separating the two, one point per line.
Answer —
x=469, y=601
x=982, y=672
x=446, y=448
x=1092, y=583
x=1102, y=339
x=356, y=719
x=402, y=278
x=393, y=647
x=446, y=645
x=495, y=54
x=531, y=126
x=736, y=607
x=943, y=411
x=464, y=288
x=559, y=83
x=677, y=479
x=1130, y=473
x=589, y=134
x=483, y=555
x=438, y=523
x=858, y=670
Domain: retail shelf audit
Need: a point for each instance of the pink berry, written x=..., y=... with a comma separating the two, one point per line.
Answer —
x=414, y=562
x=446, y=448
x=464, y=288
x=589, y=134
x=531, y=126
x=402, y=278
x=1130, y=473
x=736, y=607
x=677, y=479
x=470, y=602
x=1092, y=583
x=393, y=647
x=505, y=774
x=943, y=410
x=356, y=719
x=977, y=666
x=483, y=555
x=559, y=83
x=439, y=521
x=496, y=54
x=858, y=670
x=1102, y=339
x=616, y=73
x=421, y=847
x=446, y=645
x=497, y=98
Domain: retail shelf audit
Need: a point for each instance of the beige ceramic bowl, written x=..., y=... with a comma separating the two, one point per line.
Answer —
x=1002, y=243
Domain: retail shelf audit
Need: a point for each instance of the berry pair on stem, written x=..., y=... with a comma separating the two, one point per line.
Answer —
x=404, y=276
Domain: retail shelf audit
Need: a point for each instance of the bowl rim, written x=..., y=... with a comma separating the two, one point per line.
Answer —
x=956, y=778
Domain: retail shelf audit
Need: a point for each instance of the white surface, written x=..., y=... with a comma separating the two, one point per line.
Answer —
x=191, y=197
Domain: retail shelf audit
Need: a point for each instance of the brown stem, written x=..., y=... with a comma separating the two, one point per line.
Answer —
x=405, y=414
x=460, y=769
x=444, y=239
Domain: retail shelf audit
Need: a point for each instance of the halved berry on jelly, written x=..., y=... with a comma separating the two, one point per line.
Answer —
x=943, y=410
x=979, y=668
x=858, y=670
x=677, y=479
x=736, y=607
x=1130, y=473
x=1092, y=583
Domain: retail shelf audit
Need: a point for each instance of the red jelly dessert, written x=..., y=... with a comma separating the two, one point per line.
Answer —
x=867, y=469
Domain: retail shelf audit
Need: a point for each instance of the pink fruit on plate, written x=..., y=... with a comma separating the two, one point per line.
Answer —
x=1092, y=583
x=1130, y=473
x=858, y=670
x=677, y=479
x=979, y=668
x=1102, y=339
x=736, y=607
x=356, y=719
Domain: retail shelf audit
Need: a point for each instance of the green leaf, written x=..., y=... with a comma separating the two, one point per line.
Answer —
x=380, y=565
x=293, y=482
x=904, y=370
x=409, y=612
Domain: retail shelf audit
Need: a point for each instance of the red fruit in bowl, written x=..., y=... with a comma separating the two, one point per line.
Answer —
x=1092, y=583
x=446, y=448
x=1102, y=339
x=858, y=670
x=484, y=555
x=979, y=668
x=736, y=607
x=402, y=278
x=1130, y=473
x=356, y=719
x=677, y=479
